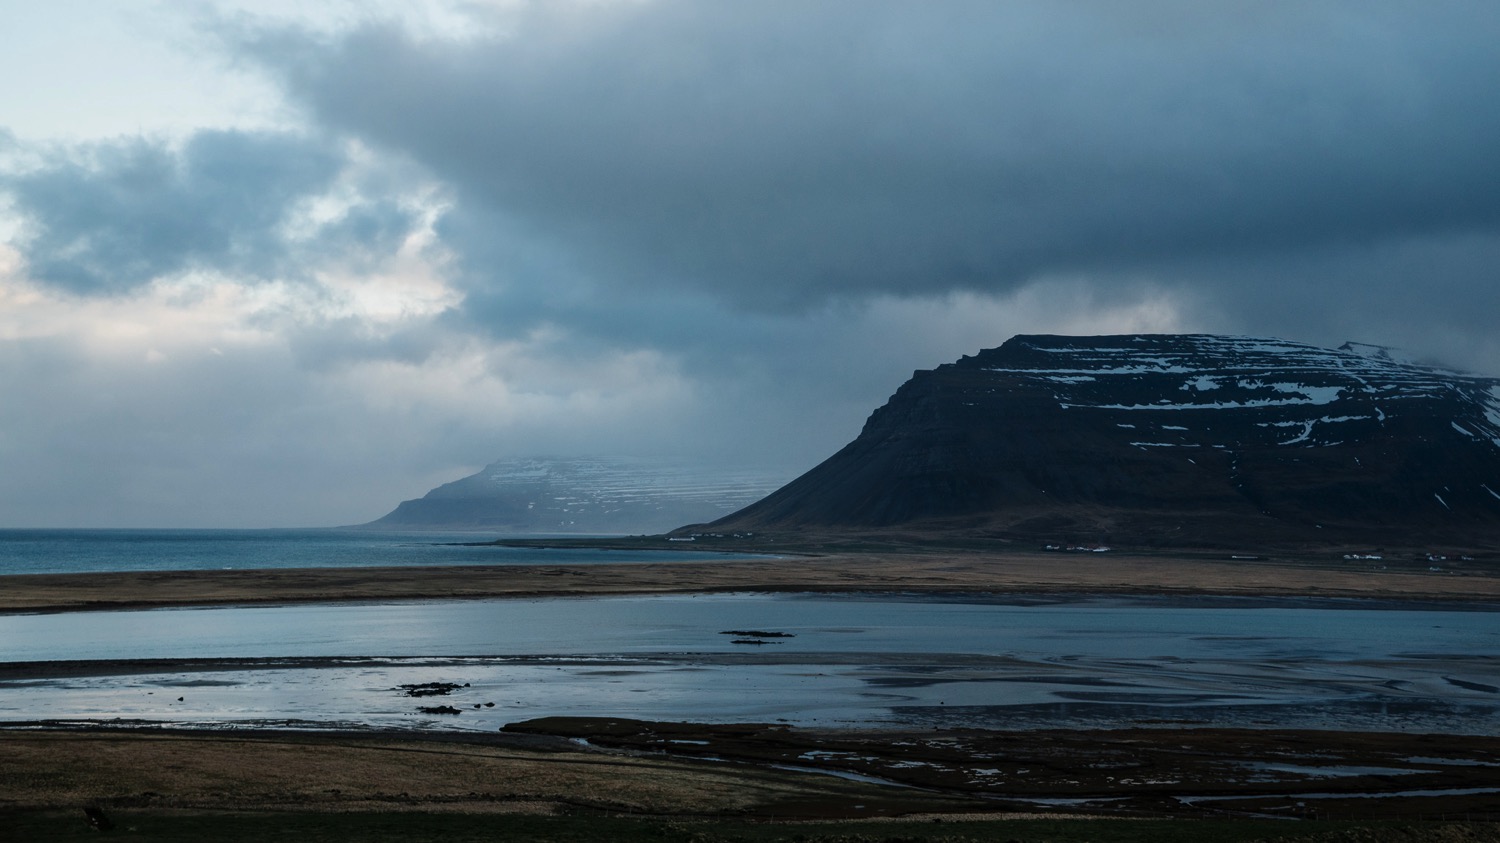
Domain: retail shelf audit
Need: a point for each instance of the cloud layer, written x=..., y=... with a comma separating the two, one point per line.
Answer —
x=776, y=154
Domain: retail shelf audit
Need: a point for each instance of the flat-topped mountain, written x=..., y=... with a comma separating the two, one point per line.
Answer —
x=1166, y=440
x=604, y=495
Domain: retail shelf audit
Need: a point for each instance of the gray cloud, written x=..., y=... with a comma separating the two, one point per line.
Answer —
x=1435, y=296
x=111, y=216
x=776, y=154
x=198, y=439
x=117, y=215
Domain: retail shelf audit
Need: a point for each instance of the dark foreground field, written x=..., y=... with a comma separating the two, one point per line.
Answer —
x=450, y=828
x=595, y=779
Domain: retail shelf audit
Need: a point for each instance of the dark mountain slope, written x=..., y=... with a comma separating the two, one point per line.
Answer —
x=1165, y=440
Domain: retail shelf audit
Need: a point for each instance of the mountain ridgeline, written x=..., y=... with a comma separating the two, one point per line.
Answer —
x=601, y=496
x=1165, y=440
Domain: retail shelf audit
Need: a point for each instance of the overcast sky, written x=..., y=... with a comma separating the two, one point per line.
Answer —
x=289, y=263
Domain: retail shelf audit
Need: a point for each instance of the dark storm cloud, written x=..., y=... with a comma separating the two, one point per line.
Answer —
x=775, y=154
x=1435, y=297
x=115, y=215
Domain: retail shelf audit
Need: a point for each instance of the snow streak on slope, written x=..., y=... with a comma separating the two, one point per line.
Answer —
x=1310, y=396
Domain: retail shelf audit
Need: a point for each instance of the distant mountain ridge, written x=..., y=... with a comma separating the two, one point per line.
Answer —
x=596, y=495
x=1170, y=440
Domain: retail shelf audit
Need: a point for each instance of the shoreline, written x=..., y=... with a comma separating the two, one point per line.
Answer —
x=925, y=573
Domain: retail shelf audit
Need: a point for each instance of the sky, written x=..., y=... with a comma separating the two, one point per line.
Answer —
x=280, y=263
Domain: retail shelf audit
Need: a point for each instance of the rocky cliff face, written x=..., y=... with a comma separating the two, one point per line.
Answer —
x=1166, y=440
x=600, y=496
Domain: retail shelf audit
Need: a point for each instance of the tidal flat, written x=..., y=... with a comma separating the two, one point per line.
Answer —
x=922, y=689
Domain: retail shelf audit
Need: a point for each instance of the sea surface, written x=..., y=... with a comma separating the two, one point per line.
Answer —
x=96, y=551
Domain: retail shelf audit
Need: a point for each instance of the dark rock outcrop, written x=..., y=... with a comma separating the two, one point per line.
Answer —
x=1185, y=440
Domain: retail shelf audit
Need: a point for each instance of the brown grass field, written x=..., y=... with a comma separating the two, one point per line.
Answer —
x=954, y=571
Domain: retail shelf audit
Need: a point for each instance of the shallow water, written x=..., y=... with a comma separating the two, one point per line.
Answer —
x=1064, y=629
x=883, y=661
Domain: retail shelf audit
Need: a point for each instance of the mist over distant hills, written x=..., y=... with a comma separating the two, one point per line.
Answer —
x=1165, y=440
x=598, y=495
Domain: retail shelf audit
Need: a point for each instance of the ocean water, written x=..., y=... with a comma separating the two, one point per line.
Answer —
x=95, y=551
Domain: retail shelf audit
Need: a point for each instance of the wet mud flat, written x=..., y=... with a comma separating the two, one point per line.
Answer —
x=934, y=691
x=1127, y=772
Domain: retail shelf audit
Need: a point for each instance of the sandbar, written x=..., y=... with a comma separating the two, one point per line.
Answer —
x=935, y=573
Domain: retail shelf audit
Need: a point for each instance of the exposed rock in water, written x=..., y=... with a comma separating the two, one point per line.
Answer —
x=431, y=689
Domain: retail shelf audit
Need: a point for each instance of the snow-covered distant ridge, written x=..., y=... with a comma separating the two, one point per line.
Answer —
x=607, y=481
x=599, y=495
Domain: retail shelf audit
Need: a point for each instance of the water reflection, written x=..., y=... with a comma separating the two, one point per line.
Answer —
x=837, y=661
